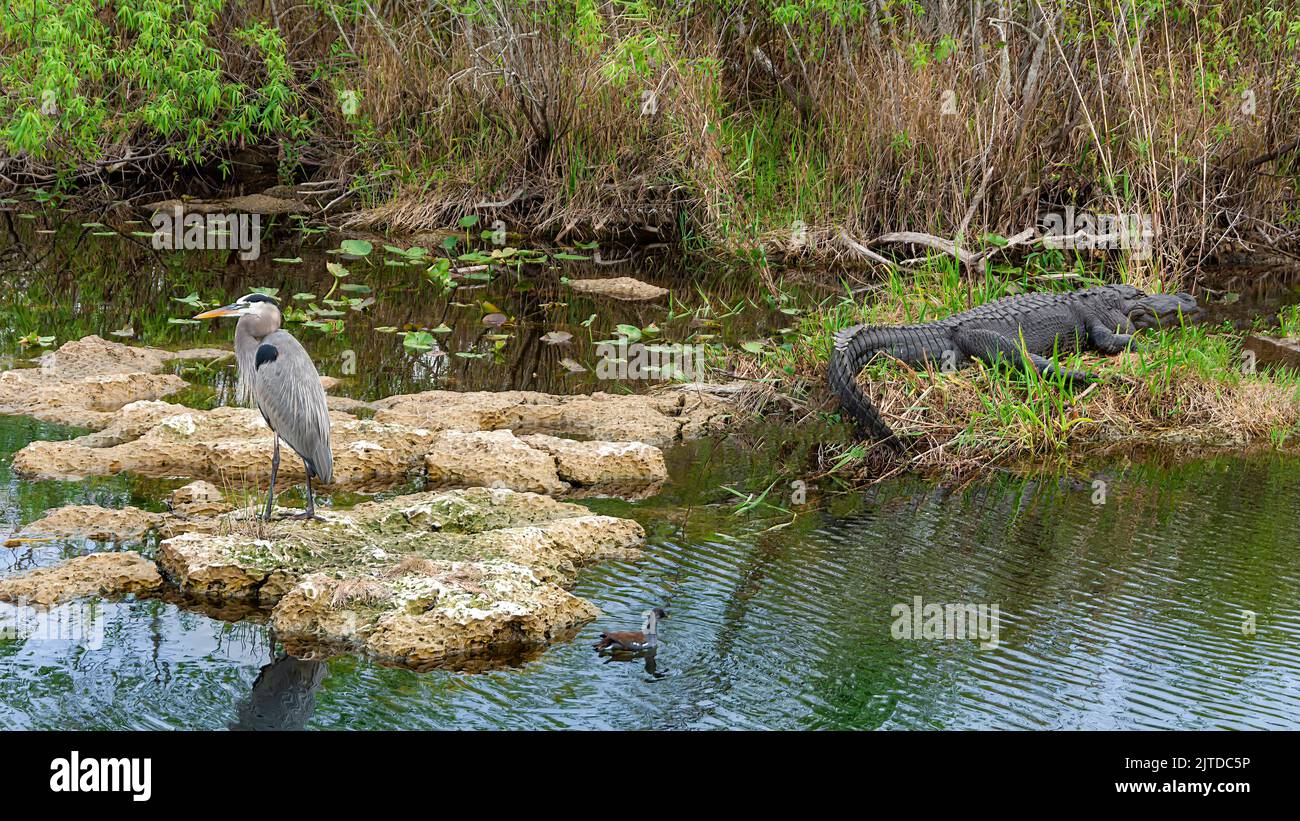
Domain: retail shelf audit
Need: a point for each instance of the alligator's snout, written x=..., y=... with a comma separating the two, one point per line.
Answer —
x=1164, y=310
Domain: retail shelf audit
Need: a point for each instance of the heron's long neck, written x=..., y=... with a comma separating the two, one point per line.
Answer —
x=246, y=358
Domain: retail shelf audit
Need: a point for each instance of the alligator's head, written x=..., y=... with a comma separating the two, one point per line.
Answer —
x=1162, y=310
x=1134, y=309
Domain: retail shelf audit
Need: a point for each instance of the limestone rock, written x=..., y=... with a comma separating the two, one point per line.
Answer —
x=490, y=459
x=95, y=356
x=601, y=464
x=85, y=401
x=99, y=574
x=444, y=614
x=656, y=419
x=422, y=580
x=543, y=464
x=624, y=288
x=94, y=522
x=85, y=381
x=448, y=410
x=346, y=404
x=198, y=499
x=223, y=444
x=223, y=567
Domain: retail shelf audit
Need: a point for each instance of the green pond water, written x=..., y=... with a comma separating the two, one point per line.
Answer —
x=1127, y=613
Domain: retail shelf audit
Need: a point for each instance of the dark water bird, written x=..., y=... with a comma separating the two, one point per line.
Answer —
x=276, y=373
x=647, y=638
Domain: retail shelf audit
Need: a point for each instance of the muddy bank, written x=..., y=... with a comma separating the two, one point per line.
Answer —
x=422, y=580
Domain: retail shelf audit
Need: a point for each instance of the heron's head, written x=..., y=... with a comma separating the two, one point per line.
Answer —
x=264, y=311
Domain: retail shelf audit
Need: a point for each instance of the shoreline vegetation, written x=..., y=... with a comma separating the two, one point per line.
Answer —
x=855, y=131
x=958, y=152
x=1191, y=387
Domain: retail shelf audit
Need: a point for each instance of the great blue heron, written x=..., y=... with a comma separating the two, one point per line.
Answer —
x=278, y=375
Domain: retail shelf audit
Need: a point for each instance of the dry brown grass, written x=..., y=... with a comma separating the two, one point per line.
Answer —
x=864, y=128
x=958, y=119
x=413, y=566
x=359, y=591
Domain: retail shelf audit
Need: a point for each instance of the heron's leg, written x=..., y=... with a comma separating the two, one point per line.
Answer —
x=310, y=512
x=275, y=466
x=311, y=500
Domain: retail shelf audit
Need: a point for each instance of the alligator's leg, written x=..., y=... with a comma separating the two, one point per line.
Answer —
x=990, y=346
x=1108, y=342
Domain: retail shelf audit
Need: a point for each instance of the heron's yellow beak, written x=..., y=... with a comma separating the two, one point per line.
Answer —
x=227, y=310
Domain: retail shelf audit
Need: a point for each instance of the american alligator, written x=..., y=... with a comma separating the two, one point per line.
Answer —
x=1102, y=319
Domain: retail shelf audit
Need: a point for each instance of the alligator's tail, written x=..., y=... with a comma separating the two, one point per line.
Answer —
x=853, y=349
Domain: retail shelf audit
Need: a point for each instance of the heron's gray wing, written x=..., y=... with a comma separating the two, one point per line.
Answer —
x=290, y=396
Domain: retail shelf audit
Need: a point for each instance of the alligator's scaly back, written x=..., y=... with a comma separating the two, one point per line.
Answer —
x=1021, y=331
x=934, y=342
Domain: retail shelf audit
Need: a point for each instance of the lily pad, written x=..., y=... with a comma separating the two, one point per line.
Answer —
x=356, y=247
x=419, y=341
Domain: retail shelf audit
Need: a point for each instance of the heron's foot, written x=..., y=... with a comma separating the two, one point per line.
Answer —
x=305, y=516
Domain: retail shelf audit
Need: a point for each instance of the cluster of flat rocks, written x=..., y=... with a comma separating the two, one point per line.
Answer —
x=440, y=578
x=475, y=568
x=86, y=382
x=597, y=444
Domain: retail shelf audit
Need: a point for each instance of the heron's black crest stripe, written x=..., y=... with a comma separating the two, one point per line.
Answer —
x=266, y=353
x=260, y=298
